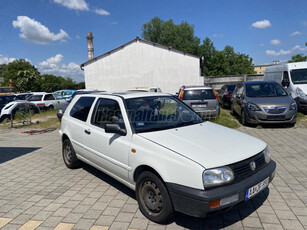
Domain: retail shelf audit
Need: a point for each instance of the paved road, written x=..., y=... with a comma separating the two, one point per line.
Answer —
x=37, y=191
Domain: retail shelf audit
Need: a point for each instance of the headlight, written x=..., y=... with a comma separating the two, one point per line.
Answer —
x=217, y=176
x=293, y=106
x=253, y=107
x=300, y=93
x=267, y=155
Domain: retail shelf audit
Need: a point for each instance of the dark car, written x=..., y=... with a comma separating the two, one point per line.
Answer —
x=263, y=102
x=5, y=99
x=62, y=109
x=225, y=94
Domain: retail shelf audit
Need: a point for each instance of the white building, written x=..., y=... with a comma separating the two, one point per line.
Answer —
x=140, y=63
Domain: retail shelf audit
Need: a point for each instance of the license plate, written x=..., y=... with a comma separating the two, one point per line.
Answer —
x=256, y=189
x=199, y=106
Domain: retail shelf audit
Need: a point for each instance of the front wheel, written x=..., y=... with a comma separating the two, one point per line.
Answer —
x=153, y=198
x=243, y=118
x=69, y=155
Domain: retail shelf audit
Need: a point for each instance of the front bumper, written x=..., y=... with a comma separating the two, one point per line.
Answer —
x=302, y=104
x=259, y=117
x=195, y=202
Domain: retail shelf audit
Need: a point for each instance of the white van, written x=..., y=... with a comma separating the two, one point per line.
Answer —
x=293, y=77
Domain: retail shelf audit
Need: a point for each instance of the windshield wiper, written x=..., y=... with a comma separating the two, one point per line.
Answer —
x=184, y=123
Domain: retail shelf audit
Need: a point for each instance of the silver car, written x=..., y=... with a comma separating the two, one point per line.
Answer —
x=263, y=102
x=202, y=99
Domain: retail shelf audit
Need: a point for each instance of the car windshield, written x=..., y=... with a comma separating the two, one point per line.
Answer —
x=198, y=94
x=231, y=88
x=158, y=113
x=263, y=89
x=299, y=76
x=35, y=98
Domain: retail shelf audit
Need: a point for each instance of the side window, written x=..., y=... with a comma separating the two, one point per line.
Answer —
x=49, y=97
x=107, y=111
x=285, y=76
x=240, y=89
x=81, y=108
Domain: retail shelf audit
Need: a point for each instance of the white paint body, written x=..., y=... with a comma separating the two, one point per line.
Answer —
x=142, y=64
x=178, y=155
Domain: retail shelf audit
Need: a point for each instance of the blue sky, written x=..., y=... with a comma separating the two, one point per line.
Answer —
x=51, y=33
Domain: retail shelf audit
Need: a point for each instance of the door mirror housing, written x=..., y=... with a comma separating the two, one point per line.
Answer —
x=114, y=128
x=285, y=83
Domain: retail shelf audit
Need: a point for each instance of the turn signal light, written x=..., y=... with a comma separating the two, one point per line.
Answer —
x=214, y=203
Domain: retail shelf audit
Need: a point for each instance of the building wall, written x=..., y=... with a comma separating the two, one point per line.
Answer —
x=142, y=64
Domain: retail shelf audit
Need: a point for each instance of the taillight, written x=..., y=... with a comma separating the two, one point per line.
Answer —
x=229, y=95
x=215, y=94
x=40, y=104
x=181, y=95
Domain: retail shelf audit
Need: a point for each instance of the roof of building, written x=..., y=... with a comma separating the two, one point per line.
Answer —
x=132, y=41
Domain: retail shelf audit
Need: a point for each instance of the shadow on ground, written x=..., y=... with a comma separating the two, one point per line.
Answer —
x=231, y=217
x=9, y=153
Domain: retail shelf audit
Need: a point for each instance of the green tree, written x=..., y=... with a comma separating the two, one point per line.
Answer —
x=13, y=68
x=180, y=37
x=206, y=52
x=2, y=69
x=28, y=80
x=298, y=58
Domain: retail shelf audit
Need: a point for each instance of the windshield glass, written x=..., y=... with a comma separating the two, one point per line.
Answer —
x=231, y=88
x=159, y=113
x=35, y=98
x=265, y=89
x=198, y=94
x=299, y=76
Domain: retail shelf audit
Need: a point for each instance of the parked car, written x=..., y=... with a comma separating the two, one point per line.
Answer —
x=5, y=99
x=159, y=147
x=46, y=100
x=22, y=96
x=65, y=93
x=263, y=102
x=7, y=90
x=63, y=107
x=145, y=89
x=9, y=111
x=225, y=94
x=202, y=99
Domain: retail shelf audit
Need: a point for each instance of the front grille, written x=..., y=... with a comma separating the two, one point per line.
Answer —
x=275, y=110
x=243, y=169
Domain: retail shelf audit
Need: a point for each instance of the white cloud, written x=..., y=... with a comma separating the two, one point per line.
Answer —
x=101, y=12
x=73, y=4
x=275, y=42
x=295, y=33
x=54, y=65
x=262, y=24
x=34, y=31
x=285, y=52
x=6, y=60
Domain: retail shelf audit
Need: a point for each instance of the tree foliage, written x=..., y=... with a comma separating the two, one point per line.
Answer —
x=298, y=58
x=25, y=77
x=181, y=37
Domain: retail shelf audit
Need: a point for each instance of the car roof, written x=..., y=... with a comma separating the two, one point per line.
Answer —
x=258, y=82
x=197, y=87
x=129, y=95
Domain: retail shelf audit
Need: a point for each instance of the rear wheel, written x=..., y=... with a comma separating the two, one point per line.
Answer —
x=232, y=111
x=243, y=118
x=69, y=155
x=51, y=107
x=153, y=198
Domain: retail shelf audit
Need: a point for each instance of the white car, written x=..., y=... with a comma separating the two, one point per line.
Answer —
x=47, y=100
x=156, y=145
x=11, y=108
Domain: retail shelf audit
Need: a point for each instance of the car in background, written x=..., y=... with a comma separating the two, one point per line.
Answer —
x=47, y=101
x=7, y=90
x=22, y=96
x=65, y=93
x=202, y=99
x=225, y=95
x=9, y=111
x=259, y=102
x=5, y=99
x=145, y=89
x=63, y=107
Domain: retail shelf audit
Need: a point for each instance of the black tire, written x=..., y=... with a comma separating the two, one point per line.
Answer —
x=153, y=198
x=69, y=155
x=243, y=118
x=232, y=111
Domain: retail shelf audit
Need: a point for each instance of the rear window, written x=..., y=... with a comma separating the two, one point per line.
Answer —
x=35, y=98
x=198, y=94
x=81, y=108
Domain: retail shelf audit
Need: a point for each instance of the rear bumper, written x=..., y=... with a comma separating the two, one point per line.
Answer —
x=195, y=202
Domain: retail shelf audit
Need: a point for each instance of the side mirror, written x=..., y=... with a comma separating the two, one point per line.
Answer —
x=285, y=83
x=114, y=128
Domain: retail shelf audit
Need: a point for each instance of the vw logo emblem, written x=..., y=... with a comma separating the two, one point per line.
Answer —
x=253, y=165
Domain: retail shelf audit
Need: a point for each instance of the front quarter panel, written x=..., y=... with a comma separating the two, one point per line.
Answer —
x=171, y=166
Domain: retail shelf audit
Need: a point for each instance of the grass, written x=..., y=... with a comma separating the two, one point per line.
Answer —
x=226, y=119
x=46, y=119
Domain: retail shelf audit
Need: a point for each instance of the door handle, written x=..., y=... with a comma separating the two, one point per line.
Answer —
x=87, y=131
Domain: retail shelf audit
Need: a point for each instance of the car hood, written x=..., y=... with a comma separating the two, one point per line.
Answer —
x=271, y=101
x=208, y=144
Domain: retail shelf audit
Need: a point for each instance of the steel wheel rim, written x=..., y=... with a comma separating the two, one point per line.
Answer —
x=68, y=154
x=151, y=198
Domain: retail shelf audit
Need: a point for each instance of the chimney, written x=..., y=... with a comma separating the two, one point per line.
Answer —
x=90, y=49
